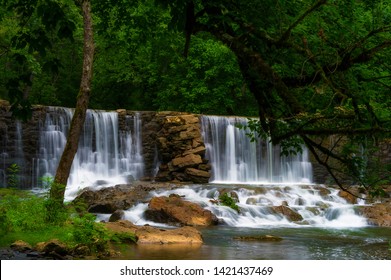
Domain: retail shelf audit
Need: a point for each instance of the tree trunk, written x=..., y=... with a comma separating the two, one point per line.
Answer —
x=58, y=188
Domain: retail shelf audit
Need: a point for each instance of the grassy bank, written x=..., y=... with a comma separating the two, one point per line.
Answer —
x=33, y=219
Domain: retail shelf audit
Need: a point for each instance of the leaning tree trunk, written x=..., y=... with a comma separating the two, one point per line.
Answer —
x=58, y=188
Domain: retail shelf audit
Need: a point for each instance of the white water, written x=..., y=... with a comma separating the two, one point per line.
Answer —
x=105, y=157
x=319, y=206
x=235, y=159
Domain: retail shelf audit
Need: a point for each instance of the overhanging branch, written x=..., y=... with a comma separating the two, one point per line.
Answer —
x=287, y=33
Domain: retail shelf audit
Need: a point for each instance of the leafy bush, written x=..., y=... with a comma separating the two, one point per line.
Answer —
x=90, y=233
x=13, y=175
x=33, y=218
x=29, y=213
x=226, y=200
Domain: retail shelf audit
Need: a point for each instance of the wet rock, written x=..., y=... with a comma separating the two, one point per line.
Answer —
x=287, y=212
x=21, y=246
x=300, y=201
x=322, y=205
x=324, y=192
x=252, y=201
x=349, y=197
x=116, y=216
x=53, y=248
x=313, y=210
x=150, y=235
x=11, y=254
x=108, y=200
x=175, y=210
x=378, y=214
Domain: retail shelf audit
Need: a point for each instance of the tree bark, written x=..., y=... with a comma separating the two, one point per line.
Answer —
x=58, y=188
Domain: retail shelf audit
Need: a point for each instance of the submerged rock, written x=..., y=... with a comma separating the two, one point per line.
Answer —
x=263, y=238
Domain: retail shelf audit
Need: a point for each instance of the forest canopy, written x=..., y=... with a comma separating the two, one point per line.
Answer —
x=310, y=69
x=138, y=64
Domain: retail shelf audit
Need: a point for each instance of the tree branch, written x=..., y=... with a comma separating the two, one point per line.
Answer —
x=309, y=143
x=287, y=33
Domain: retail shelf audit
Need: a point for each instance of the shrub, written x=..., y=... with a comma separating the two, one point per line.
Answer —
x=226, y=200
x=90, y=233
x=13, y=175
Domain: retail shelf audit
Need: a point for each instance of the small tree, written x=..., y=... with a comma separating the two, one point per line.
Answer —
x=58, y=189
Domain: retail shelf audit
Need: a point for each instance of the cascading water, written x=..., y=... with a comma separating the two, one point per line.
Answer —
x=236, y=159
x=260, y=206
x=107, y=156
x=104, y=157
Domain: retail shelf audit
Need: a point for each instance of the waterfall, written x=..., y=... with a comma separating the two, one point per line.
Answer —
x=105, y=155
x=236, y=159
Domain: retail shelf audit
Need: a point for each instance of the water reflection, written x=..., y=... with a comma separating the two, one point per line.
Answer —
x=297, y=244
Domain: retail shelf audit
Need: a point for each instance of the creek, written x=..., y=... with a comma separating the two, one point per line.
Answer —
x=298, y=243
x=330, y=228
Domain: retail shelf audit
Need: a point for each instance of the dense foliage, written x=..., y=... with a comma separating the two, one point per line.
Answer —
x=31, y=217
x=317, y=69
x=139, y=63
x=313, y=70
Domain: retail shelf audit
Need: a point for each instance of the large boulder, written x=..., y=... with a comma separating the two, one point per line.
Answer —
x=108, y=200
x=175, y=210
x=378, y=214
x=287, y=212
x=151, y=235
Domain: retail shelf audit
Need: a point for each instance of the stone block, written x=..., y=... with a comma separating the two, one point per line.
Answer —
x=187, y=161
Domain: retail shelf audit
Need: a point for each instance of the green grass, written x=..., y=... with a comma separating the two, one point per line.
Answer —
x=33, y=237
x=25, y=216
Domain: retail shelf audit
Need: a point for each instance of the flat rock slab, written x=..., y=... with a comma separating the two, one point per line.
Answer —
x=152, y=235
